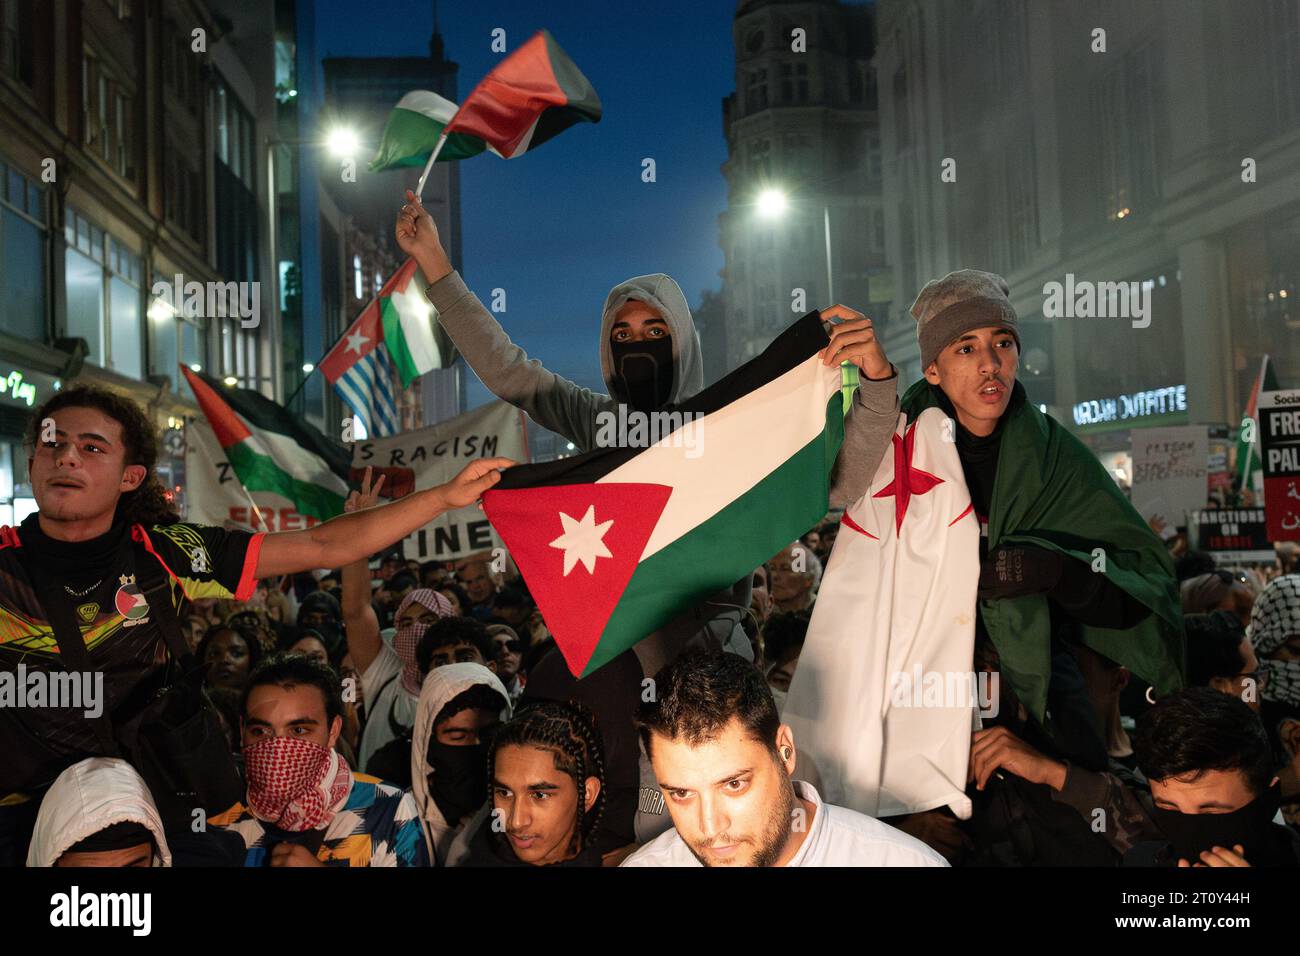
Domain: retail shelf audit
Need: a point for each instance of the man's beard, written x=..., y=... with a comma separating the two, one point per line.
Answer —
x=776, y=831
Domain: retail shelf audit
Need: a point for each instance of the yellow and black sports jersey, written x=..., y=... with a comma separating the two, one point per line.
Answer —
x=126, y=652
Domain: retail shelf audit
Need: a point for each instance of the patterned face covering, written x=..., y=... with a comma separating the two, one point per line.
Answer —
x=294, y=783
x=407, y=637
x=1274, y=620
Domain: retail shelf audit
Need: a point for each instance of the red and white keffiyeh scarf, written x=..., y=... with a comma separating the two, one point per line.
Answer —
x=406, y=638
x=294, y=783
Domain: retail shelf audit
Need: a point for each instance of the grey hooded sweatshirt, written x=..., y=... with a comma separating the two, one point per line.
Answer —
x=570, y=410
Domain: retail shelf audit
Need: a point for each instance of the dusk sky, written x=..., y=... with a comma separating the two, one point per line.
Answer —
x=557, y=228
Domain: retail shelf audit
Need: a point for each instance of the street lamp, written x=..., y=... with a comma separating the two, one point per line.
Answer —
x=343, y=142
x=772, y=204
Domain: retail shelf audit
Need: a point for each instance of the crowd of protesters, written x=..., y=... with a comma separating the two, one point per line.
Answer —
x=402, y=713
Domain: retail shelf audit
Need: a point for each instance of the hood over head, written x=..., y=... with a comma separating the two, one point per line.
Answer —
x=441, y=685
x=662, y=294
x=91, y=796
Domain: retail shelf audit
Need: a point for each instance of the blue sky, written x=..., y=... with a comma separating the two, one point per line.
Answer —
x=558, y=227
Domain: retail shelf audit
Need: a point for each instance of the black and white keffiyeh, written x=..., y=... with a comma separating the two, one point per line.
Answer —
x=1274, y=619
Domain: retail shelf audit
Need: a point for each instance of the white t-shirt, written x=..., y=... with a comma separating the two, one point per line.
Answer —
x=838, y=837
x=385, y=697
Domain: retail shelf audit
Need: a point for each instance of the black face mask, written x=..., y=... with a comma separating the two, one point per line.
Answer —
x=458, y=783
x=645, y=371
x=1252, y=826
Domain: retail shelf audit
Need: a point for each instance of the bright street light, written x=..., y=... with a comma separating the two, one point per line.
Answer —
x=771, y=203
x=307, y=367
x=343, y=142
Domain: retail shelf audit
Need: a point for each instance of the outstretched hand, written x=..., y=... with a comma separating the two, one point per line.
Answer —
x=417, y=235
x=854, y=340
x=474, y=479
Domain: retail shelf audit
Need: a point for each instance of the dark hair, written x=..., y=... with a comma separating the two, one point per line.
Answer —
x=295, y=670
x=512, y=595
x=1213, y=646
x=329, y=635
x=402, y=579
x=254, y=647
x=783, y=634
x=461, y=597
x=148, y=504
x=318, y=601
x=568, y=730
x=1200, y=729
x=447, y=631
x=698, y=694
x=476, y=697
x=1193, y=564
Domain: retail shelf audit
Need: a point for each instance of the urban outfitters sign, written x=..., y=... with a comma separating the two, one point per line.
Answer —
x=1152, y=403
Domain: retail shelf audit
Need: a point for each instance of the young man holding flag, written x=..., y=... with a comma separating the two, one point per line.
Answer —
x=989, y=527
x=650, y=358
x=101, y=514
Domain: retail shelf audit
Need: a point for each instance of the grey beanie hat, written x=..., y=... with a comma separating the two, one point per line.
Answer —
x=959, y=302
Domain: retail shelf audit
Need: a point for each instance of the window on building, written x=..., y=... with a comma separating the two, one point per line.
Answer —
x=24, y=238
x=107, y=116
x=1283, y=37
x=183, y=194
x=874, y=169
x=17, y=27
x=1124, y=106
x=794, y=82
x=357, y=291
x=760, y=157
x=902, y=118
x=756, y=90
x=103, y=282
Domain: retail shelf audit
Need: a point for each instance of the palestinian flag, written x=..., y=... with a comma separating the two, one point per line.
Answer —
x=616, y=542
x=533, y=94
x=1248, y=461
x=401, y=321
x=272, y=450
x=412, y=132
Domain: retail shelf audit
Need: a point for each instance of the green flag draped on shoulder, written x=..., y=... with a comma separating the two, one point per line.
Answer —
x=1051, y=492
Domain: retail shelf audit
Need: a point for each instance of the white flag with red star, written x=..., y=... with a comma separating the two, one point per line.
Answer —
x=896, y=604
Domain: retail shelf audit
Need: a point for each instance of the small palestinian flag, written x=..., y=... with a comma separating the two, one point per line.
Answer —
x=413, y=129
x=615, y=543
x=533, y=94
x=272, y=450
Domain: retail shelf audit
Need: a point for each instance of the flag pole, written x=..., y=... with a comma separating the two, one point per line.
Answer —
x=433, y=157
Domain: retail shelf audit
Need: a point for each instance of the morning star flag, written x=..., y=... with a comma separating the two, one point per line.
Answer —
x=884, y=697
x=271, y=450
x=616, y=542
x=897, y=602
x=413, y=129
x=533, y=94
x=1248, y=470
x=395, y=333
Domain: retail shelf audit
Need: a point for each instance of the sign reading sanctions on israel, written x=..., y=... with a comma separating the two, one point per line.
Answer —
x=415, y=460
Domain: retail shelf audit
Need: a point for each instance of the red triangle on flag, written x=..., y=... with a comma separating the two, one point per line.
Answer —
x=577, y=547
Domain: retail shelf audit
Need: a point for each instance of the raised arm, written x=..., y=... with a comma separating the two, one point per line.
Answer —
x=551, y=400
x=873, y=414
x=350, y=537
x=359, y=621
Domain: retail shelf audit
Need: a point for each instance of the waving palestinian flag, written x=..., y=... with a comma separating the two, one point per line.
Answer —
x=533, y=94
x=615, y=543
x=412, y=132
x=272, y=450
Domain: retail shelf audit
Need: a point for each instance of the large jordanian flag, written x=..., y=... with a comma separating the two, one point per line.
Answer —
x=272, y=450
x=615, y=543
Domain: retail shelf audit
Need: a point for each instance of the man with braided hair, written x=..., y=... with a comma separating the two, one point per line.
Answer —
x=546, y=772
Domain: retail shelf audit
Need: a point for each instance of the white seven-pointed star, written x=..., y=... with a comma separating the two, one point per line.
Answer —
x=355, y=341
x=582, y=541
